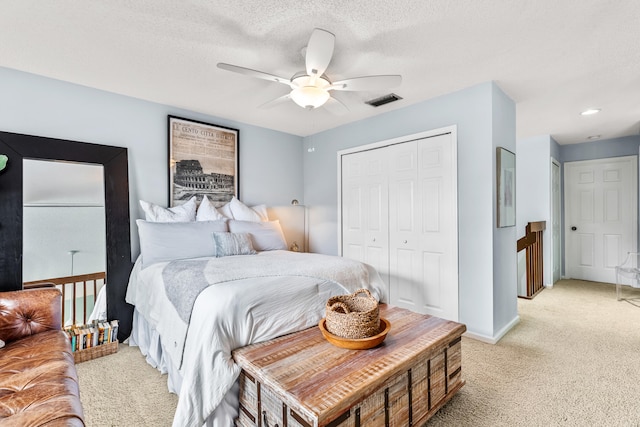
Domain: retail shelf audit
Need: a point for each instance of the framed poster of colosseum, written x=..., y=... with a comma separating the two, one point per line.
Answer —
x=203, y=161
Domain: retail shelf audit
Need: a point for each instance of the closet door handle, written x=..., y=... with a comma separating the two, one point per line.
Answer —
x=404, y=242
x=374, y=239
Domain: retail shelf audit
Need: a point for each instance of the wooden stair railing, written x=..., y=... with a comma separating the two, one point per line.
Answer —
x=84, y=281
x=532, y=242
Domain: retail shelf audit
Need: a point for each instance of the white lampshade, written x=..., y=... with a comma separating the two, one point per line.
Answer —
x=309, y=96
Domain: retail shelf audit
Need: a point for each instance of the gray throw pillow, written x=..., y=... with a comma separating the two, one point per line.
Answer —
x=228, y=244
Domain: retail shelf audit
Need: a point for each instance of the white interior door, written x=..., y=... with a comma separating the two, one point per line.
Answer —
x=365, y=206
x=423, y=262
x=439, y=226
x=600, y=216
x=556, y=222
x=406, y=287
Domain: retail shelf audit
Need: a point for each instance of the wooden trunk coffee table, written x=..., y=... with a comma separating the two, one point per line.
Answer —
x=301, y=380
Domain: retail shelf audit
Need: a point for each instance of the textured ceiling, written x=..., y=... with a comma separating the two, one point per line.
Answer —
x=554, y=58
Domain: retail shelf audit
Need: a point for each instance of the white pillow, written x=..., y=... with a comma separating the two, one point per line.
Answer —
x=181, y=213
x=265, y=236
x=262, y=211
x=208, y=212
x=228, y=244
x=225, y=210
x=168, y=241
x=243, y=212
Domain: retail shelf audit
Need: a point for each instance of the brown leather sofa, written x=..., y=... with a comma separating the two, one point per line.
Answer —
x=38, y=380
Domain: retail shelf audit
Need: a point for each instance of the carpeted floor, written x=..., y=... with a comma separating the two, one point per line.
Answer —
x=573, y=360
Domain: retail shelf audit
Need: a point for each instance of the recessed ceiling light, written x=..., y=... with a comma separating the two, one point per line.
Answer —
x=590, y=111
x=594, y=137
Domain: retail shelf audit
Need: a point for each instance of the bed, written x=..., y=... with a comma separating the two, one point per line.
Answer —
x=191, y=313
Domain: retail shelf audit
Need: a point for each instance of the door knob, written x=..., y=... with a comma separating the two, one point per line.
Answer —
x=574, y=228
x=405, y=241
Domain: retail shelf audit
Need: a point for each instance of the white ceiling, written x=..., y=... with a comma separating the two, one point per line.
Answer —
x=554, y=58
x=58, y=183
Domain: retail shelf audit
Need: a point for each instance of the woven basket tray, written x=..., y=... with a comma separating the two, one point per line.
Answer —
x=95, y=352
x=353, y=316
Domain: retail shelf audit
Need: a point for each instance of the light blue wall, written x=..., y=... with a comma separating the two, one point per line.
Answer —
x=270, y=166
x=555, y=149
x=505, y=264
x=533, y=189
x=476, y=111
x=617, y=147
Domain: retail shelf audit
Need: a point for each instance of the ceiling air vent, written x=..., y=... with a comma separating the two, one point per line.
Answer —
x=392, y=97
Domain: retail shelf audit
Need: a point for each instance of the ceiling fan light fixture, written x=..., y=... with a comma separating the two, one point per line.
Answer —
x=309, y=96
x=310, y=87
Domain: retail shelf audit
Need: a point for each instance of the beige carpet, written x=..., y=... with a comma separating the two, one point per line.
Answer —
x=573, y=360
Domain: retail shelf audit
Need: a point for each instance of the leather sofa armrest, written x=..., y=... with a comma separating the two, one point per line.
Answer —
x=28, y=312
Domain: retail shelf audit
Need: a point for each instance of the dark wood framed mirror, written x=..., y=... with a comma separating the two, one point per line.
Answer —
x=116, y=181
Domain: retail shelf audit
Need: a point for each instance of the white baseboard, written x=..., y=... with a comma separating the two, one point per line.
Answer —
x=494, y=339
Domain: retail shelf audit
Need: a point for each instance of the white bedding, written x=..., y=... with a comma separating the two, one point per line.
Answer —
x=229, y=315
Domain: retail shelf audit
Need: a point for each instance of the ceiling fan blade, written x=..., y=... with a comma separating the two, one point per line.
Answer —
x=367, y=83
x=253, y=73
x=319, y=52
x=335, y=106
x=275, y=102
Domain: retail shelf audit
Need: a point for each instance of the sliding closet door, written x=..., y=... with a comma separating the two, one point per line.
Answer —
x=423, y=226
x=365, y=215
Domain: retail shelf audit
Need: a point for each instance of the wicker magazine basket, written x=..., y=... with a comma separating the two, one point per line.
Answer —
x=95, y=352
x=353, y=316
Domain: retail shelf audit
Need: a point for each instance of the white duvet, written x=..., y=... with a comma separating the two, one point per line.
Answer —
x=233, y=314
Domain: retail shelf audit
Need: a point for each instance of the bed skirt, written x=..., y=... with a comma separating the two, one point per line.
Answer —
x=145, y=337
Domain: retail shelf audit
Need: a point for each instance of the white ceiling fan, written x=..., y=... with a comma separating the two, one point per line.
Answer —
x=311, y=88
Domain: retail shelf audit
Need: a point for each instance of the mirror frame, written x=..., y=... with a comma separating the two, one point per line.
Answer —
x=116, y=183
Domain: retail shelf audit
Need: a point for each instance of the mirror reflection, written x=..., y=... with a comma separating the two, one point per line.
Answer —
x=64, y=236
